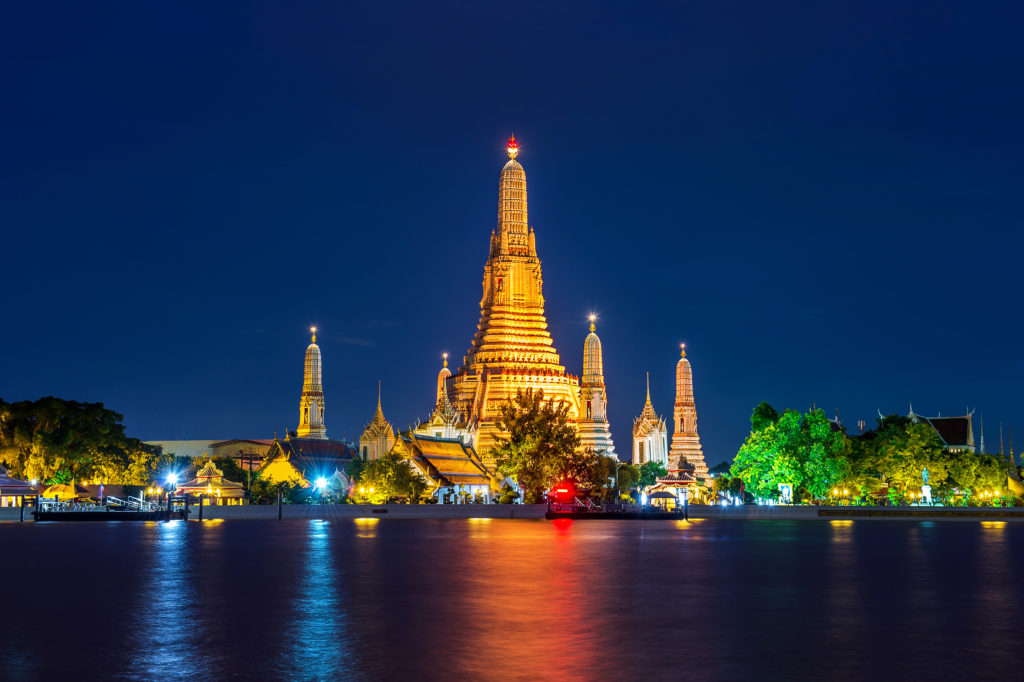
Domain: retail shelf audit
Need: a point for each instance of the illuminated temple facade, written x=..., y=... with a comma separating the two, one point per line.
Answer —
x=650, y=435
x=311, y=404
x=595, y=434
x=686, y=447
x=512, y=349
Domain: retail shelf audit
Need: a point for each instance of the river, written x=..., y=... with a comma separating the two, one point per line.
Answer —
x=496, y=599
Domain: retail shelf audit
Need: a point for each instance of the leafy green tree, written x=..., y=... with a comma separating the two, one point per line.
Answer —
x=629, y=477
x=764, y=415
x=650, y=472
x=39, y=438
x=540, y=441
x=801, y=450
x=388, y=478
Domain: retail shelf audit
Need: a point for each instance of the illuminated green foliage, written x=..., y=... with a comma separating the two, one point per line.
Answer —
x=388, y=478
x=801, y=450
x=40, y=438
x=541, y=445
x=650, y=472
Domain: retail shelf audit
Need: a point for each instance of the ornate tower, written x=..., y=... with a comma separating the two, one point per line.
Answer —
x=512, y=348
x=442, y=383
x=685, y=441
x=593, y=424
x=650, y=435
x=311, y=405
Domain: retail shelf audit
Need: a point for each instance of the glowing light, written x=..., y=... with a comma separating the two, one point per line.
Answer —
x=172, y=478
x=513, y=147
x=321, y=483
x=35, y=481
x=592, y=317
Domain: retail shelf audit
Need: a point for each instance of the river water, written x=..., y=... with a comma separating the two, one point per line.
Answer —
x=499, y=599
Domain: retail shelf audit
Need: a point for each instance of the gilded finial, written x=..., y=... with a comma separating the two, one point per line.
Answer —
x=682, y=350
x=313, y=330
x=648, y=387
x=592, y=317
x=445, y=356
x=513, y=147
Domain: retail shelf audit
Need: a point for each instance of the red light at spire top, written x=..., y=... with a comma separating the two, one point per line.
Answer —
x=513, y=147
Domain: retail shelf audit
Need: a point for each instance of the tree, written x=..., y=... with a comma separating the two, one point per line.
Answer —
x=800, y=450
x=650, y=472
x=628, y=477
x=388, y=478
x=764, y=415
x=540, y=441
x=40, y=438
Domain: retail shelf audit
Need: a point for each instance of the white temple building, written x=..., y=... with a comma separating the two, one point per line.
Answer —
x=650, y=434
x=595, y=433
x=311, y=404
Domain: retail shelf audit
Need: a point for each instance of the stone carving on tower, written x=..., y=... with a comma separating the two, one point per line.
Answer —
x=378, y=437
x=594, y=431
x=650, y=435
x=512, y=348
x=685, y=441
x=311, y=404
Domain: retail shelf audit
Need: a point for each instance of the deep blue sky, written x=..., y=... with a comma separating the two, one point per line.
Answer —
x=822, y=199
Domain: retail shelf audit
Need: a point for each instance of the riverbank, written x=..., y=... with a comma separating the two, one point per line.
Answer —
x=537, y=511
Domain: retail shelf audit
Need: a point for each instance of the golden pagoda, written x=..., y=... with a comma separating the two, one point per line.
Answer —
x=512, y=349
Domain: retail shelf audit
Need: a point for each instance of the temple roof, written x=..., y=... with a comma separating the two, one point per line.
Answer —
x=446, y=461
x=13, y=486
x=955, y=432
x=210, y=477
x=378, y=425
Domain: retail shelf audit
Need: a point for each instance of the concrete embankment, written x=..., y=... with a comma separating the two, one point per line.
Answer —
x=811, y=513
x=536, y=511
x=344, y=511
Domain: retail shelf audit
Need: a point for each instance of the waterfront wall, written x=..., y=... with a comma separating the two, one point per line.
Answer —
x=384, y=511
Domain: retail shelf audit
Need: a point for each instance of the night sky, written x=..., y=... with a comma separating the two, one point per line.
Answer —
x=823, y=202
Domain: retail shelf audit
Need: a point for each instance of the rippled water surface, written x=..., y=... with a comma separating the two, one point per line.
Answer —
x=494, y=599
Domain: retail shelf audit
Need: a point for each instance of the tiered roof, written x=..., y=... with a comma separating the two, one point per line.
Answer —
x=445, y=461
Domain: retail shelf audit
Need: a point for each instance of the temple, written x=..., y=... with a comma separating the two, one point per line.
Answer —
x=301, y=461
x=445, y=421
x=209, y=483
x=686, y=447
x=650, y=435
x=956, y=433
x=512, y=348
x=595, y=434
x=311, y=404
x=378, y=437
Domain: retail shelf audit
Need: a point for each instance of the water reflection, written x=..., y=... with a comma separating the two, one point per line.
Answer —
x=167, y=624
x=316, y=642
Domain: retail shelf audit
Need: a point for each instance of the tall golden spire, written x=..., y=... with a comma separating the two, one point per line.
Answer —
x=311, y=404
x=648, y=388
x=686, y=449
x=512, y=348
